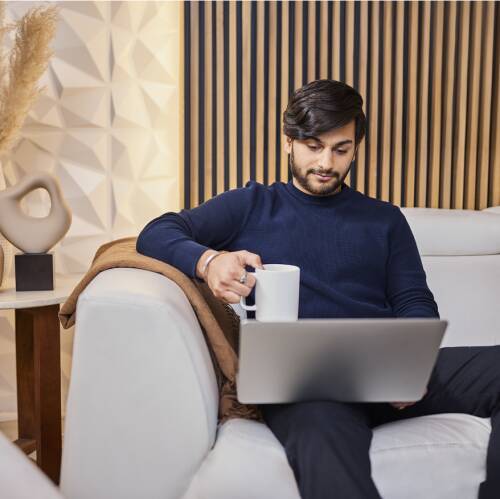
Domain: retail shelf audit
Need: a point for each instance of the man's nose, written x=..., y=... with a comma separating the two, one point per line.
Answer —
x=327, y=160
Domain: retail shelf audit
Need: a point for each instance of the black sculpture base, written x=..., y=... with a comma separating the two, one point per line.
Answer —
x=34, y=272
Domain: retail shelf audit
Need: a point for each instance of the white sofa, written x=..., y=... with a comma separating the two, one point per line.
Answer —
x=142, y=409
x=19, y=476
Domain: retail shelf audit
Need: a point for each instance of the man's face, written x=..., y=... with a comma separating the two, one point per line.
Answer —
x=319, y=165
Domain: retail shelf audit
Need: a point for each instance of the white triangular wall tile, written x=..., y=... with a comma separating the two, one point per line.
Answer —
x=155, y=168
x=92, y=63
x=86, y=146
x=90, y=104
x=46, y=112
x=93, y=10
x=102, y=7
x=121, y=15
x=159, y=92
x=123, y=42
x=72, y=76
x=47, y=140
x=141, y=56
x=31, y=157
x=82, y=180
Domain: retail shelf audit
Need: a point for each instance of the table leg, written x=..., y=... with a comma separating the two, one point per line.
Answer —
x=38, y=367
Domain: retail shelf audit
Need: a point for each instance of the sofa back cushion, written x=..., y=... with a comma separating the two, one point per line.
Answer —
x=460, y=251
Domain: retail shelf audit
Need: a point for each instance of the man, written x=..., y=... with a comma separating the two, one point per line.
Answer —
x=358, y=258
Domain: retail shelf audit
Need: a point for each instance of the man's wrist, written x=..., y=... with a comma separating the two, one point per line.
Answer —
x=201, y=262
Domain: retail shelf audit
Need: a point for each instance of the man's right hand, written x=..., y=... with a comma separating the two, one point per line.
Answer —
x=224, y=272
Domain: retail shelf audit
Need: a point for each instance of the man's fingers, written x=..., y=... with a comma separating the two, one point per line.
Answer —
x=251, y=280
x=251, y=259
x=239, y=289
x=231, y=297
x=401, y=405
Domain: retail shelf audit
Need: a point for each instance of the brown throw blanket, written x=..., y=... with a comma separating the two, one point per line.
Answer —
x=218, y=320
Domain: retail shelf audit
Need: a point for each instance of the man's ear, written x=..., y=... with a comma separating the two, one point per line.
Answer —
x=287, y=143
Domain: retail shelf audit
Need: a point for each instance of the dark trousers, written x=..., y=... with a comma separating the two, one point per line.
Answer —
x=327, y=443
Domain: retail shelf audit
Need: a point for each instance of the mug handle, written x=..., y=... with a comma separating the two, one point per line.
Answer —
x=243, y=298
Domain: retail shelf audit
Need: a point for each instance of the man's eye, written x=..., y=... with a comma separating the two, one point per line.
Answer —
x=341, y=152
x=313, y=148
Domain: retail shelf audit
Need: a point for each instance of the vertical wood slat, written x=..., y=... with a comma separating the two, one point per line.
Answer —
x=245, y=126
x=324, y=40
x=349, y=58
x=436, y=129
x=183, y=136
x=285, y=57
x=473, y=104
x=259, y=156
x=194, y=97
x=233, y=118
x=363, y=64
x=221, y=146
x=311, y=40
x=386, y=112
x=412, y=130
x=349, y=44
x=298, y=33
x=208, y=129
x=397, y=136
x=336, y=42
x=461, y=108
x=274, y=121
x=448, y=114
x=374, y=102
x=423, y=106
x=483, y=157
x=428, y=74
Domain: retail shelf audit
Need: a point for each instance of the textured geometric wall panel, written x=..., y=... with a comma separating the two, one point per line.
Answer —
x=107, y=125
x=428, y=73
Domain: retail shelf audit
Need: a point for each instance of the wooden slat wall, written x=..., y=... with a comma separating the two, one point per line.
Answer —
x=428, y=73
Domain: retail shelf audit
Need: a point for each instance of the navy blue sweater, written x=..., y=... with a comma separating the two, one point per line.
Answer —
x=357, y=255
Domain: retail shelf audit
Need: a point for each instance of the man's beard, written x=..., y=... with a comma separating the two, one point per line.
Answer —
x=306, y=181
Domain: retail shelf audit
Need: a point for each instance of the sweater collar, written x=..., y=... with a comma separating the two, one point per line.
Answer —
x=311, y=198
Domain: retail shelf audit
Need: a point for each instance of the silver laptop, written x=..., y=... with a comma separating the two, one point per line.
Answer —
x=350, y=360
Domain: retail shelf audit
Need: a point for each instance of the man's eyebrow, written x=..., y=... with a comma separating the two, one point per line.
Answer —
x=338, y=144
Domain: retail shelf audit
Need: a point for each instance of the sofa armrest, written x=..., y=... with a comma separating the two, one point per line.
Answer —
x=143, y=400
x=19, y=476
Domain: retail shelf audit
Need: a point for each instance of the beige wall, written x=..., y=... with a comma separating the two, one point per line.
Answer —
x=107, y=126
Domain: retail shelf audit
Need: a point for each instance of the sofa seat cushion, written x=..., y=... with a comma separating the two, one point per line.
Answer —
x=439, y=456
x=442, y=456
x=246, y=462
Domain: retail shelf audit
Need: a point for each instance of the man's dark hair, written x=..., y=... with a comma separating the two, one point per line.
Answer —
x=320, y=106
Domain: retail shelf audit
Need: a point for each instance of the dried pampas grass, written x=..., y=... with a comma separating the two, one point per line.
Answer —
x=21, y=70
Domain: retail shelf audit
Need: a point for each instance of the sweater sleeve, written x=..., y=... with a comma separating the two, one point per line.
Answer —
x=407, y=289
x=180, y=239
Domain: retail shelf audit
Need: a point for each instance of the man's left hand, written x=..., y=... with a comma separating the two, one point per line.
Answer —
x=402, y=405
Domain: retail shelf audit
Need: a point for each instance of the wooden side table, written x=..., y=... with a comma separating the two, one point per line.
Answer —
x=38, y=368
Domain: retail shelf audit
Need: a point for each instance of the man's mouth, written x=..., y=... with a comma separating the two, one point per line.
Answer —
x=323, y=176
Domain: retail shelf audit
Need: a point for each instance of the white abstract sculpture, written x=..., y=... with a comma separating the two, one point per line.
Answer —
x=34, y=234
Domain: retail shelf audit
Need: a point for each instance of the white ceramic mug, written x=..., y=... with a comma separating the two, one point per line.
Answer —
x=276, y=293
